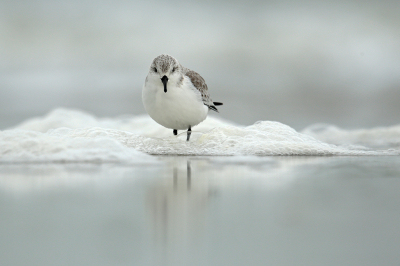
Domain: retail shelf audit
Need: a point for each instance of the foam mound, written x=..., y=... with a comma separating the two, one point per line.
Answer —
x=56, y=146
x=375, y=138
x=75, y=136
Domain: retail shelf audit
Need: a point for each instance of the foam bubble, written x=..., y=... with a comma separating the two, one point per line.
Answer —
x=74, y=136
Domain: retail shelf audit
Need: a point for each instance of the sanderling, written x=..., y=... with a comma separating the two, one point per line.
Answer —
x=174, y=96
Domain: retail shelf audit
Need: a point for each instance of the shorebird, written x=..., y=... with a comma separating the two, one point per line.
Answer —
x=175, y=96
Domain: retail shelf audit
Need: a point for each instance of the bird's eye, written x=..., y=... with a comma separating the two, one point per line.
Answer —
x=173, y=70
x=155, y=69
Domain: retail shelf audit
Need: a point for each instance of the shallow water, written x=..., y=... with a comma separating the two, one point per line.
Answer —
x=203, y=211
x=76, y=189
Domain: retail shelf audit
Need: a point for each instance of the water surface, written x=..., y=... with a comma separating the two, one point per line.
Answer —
x=203, y=211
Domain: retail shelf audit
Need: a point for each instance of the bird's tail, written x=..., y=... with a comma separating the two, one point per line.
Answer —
x=212, y=107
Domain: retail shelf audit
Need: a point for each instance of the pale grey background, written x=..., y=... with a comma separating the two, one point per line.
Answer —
x=295, y=62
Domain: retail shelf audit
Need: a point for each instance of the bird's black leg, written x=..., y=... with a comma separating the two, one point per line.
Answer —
x=188, y=133
x=175, y=132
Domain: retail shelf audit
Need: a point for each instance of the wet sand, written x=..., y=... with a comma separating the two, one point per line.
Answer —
x=203, y=211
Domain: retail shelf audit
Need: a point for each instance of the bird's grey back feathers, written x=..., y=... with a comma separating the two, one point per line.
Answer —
x=200, y=84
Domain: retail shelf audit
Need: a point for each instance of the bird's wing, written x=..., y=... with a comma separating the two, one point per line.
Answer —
x=200, y=84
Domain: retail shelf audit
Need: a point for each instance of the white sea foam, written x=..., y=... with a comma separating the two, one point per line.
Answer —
x=74, y=136
x=375, y=138
x=58, y=146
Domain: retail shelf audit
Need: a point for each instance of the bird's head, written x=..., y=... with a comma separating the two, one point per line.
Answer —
x=166, y=69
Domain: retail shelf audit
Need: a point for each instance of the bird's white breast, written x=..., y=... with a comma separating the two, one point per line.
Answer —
x=178, y=108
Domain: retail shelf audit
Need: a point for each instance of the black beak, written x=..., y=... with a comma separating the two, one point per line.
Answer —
x=164, y=81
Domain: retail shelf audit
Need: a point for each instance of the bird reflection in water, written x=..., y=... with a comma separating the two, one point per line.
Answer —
x=188, y=176
x=177, y=205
